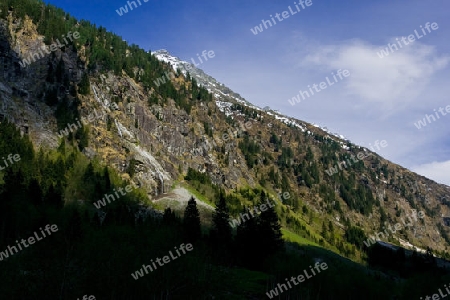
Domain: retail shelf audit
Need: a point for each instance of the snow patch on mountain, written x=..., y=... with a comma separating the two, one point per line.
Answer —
x=223, y=94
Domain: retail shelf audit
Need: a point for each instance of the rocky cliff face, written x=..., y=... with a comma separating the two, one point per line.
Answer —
x=19, y=86
x=161, y=141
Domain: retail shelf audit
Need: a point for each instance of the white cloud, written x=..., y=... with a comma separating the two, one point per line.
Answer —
x=392, y=81
x=438, y=171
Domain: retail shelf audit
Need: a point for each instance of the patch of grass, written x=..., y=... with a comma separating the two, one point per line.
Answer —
x=292, y=237
x=197, y=194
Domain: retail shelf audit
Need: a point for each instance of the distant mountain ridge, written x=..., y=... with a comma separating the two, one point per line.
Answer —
x=219, y=90
x=222, y=93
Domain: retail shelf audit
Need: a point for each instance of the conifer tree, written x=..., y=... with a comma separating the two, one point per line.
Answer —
x=53, y=197
x=191, y=221
x=270, y=231
x=248, y=242
x=221, y=231
x=35, y=191
x=84, y=85
x=169, y=216
x=324, y=231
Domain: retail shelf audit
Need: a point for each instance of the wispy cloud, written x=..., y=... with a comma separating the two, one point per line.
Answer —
x=393, y=81
x=438, y=171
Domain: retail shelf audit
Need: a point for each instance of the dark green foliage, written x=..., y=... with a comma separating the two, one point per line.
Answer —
x=74, y=229
x=131, y=169
x=383, y=217
x=53, y=197
x=274, y=177
x=329, y=196
x=360, y=199
x=221, y=231
x=250, y=149
x=169, y=217
x=153, y=99
x=84, y=87
x=66, y=113
x=191, y=221
x=355, y=236
x=245, y=110
x=324, y=231
x=258, y=236
x=248, y=241
x=284, y=160
x=208, y=130
x=270, y=231
x=274, y=140
x=197, y=176
x=82, y=135
x=406, y=265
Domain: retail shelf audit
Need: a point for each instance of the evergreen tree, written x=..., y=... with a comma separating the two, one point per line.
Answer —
x=107, y=179
x=74, y=230
x=53, y=197
x=192, y=221
x=84, y=86
x=35, y=192
x=82, y=134
x=169, y=216
x=270, y=231
x=221, y=231
x=62, y=147
x=331, y=230
x=324, y=231
x=248, y=243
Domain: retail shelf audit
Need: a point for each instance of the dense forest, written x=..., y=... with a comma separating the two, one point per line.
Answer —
x=95, y=251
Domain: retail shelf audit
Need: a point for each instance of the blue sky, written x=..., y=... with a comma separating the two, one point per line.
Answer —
x=380, y=100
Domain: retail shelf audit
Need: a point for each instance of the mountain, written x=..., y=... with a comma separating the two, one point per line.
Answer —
x=219, y=90
x=223, y=94
x=96, y=116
